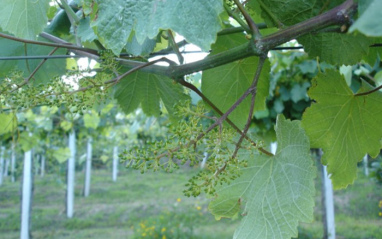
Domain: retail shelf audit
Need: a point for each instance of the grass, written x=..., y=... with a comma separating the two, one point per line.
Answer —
x=136, y=204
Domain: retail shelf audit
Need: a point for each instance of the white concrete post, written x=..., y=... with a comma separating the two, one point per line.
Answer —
x=1, y=164
x=328, y=204
x=26, y=196
x=203, y=164
x=365, y=165
x=115, y=163
x=71, y=175
x=88, y=167
x=13, y=161
x=42, y=169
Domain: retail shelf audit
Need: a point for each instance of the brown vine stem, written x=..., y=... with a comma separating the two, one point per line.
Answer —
x=237, y=18
x=224, y=117
x=252, y=25
x=253, y=90
x=250, y=114
x=66, y=45
x=369, y=92
x=175, y=46
x=119, y=78
x=205, y=99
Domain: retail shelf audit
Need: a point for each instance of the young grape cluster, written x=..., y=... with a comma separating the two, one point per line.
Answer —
x=186, y=142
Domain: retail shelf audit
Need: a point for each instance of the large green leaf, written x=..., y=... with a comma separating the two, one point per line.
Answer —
x=197, y=20
x=140, y=49
x=375, y=52
x=369, y=23
x=28, y=141
x=8, y=123
x=277, y=191
x=225, y=84
x=290, y=12
x=60, y=25
x=345, y=126
x=336, y=49
x=91, y=120
x=84, y=31
x=60, y=154
x=9, y=48
x=140, y=88
x=23, y=18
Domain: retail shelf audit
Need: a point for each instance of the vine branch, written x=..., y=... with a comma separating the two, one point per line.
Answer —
x=337, y=16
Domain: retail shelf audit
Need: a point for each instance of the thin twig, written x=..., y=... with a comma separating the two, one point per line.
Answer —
x=250, y=114
x=369, y=92
x=232, y=30
x=252, y=107
x=237, y=18
x=117, y=79
x=15, y=58
x=205, y=99
x=252, y=25
x=175, y=47
x=66, y=45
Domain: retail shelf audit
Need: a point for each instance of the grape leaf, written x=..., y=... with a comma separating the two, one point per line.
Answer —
x=290, y=12
x=140, y=88
x=91, y=120
x=345, y=126
x=278, y=191
x=24, y=19
x=197, y=20
x=375, y=52
x=369, y=23
x=28, y=141
x=336, y=49
x=59, y=25
x=8, y=123
x=223, y=85
x=9, y=48
x=144, y=49
x=84, y=31
x=60, y=154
